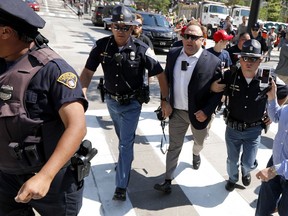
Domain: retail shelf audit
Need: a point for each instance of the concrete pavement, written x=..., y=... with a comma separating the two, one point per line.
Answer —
x=194, y=193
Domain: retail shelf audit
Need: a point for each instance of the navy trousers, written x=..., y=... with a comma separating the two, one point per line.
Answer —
x=64, y=197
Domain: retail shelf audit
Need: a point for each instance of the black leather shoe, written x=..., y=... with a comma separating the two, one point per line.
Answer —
x=230, y=186
x=246, y=180
x=164, y=187
x=120, y=194
x=196, y=161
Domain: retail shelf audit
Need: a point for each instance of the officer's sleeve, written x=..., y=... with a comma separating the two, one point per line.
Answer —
x=64, y=84
x=93, y=60
x=151, y=63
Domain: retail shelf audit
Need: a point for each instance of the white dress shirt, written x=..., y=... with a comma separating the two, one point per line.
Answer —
x=181, y=78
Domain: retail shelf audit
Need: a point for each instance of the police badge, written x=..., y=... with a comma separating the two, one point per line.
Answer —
x=6, y=92
x=132, y=56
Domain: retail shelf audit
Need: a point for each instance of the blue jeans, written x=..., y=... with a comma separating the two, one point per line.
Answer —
x=249, y=140
x=125, y=119
x=274, y=189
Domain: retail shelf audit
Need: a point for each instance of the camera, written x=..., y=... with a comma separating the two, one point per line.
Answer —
x=159, y=114
x=184, y=65
x=265, y=75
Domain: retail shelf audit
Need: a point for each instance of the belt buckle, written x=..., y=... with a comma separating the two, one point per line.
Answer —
x=125, y=97
x=117, y=98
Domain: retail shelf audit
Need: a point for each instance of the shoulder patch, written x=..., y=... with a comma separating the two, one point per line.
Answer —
x=150, y=53
x=68, y=79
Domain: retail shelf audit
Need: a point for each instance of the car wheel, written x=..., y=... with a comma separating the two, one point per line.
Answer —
x=210, y=32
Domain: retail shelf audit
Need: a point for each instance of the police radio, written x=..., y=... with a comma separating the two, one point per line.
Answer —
x=80, y=162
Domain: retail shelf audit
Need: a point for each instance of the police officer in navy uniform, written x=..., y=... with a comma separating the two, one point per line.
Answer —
x=245, y=112
x=42, y=121
x=124, y=60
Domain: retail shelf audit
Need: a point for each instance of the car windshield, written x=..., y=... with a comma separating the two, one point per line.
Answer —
x=218, y=9
x=154, y=20
x=245, y=13
x=30, y=1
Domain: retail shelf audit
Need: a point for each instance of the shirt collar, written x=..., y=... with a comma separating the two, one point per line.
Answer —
x=196, y=55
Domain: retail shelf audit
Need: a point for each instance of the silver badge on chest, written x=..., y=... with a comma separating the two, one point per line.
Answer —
x=132, y=56
x=6, y=92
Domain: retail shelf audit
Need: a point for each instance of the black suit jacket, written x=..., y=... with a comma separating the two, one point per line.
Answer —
x=207, y=70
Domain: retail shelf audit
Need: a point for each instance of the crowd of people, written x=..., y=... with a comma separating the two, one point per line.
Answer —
x=40, y=91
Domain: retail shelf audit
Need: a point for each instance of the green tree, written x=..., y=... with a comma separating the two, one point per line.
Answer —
x=271, y=10
x=160, y=5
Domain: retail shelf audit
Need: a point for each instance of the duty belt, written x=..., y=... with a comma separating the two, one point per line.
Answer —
x=241, y=126
x=122, y=99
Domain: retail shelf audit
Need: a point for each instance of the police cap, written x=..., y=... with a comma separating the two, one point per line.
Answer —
x=122, y=14
x=256, y=26
x=251, y=48
x=18, y=15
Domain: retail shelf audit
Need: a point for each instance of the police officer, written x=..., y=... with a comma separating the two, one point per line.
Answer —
x=42, y=121
x=245, y=113
x=124, y=60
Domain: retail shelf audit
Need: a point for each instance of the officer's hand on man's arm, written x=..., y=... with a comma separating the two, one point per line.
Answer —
x=217, y=87
x=73, y=118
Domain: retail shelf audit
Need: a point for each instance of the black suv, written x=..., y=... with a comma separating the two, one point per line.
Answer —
x=99, y=13
x=157, y=28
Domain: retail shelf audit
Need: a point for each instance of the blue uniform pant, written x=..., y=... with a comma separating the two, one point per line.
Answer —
x=64, y=197
x=125, y=119
x=249, y=140
x=272, y=194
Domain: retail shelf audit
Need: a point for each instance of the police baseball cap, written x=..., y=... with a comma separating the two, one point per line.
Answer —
x=19, y=16
x=122, y=15
x=221, y=35
x=251, y=48
x=256, y=26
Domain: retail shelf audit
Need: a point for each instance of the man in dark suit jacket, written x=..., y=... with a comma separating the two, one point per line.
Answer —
x=190, y=71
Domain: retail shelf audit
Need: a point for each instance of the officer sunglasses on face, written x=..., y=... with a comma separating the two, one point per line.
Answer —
x=192, y=37
x=123, y=29
x=250, y=59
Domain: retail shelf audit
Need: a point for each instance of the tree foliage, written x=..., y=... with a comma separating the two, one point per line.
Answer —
x=271, y=11
x=159, y=5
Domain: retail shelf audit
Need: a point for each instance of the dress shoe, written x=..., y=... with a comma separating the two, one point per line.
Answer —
x=164, y=187
x=120, y=194
x=196, y=161
x=230, y=186
x=246, y=180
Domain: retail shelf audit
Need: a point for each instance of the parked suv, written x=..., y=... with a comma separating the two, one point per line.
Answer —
x=99, y=13
x=157, y=28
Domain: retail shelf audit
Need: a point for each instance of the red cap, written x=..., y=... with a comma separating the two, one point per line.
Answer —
x=221, y=35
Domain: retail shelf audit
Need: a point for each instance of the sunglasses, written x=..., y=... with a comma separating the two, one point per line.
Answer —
x=255, y=29
x=250, y=59
x=123, y=29
x=140, y=25
x=192, y=37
